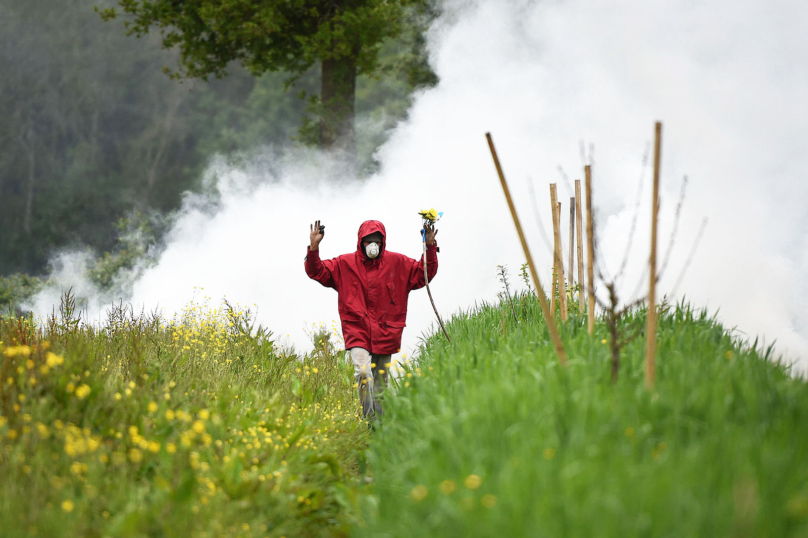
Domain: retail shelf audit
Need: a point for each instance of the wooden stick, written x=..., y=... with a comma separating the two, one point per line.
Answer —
x=429, y=291
x=590, y=250
x=570, y=269
x=578, y=221
x=562, y=290
x=650, y=328
x=559, y=258
x=554, y=289
x=545, y=308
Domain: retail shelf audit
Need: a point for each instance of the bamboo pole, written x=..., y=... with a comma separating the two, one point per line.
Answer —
x=571, y=271
x=561, y=271
x=590, y=250
x=559, y=257
x=580, y=253
x=545, y=308
x=554, y=289
x=650, y=329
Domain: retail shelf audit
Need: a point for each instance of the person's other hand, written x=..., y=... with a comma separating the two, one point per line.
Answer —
x=431, y=232
x=316, y=235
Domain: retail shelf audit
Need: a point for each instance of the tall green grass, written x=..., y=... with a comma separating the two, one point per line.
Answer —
x=493, y=438
x=198, y=426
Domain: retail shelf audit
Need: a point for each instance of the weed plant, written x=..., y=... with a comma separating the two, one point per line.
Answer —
x=495, y=438
x=199, y=426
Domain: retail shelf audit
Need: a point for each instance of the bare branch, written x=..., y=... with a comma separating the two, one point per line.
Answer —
x=690, y=256
x=535, y=207
x=633, y=228
x=675, y=228
x=632, y=304
x=600, y=263
x=641, y=282
x=631, y=337
x=566, y=179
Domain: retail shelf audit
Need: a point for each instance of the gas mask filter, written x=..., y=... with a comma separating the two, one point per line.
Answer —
x=372, y=250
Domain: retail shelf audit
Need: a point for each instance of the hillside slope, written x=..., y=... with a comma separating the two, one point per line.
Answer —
x=494, y=438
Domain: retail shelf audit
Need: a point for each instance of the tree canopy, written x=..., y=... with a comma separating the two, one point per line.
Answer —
x=343, y=36
x=92, y=131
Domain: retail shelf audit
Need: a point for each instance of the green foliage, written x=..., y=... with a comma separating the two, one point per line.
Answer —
x=15, y=289
x=268, y=36
x=199, y=426
x=491, y=437
x=136, y=233
x=204, y=426
x=93, y=130
x=343, y=38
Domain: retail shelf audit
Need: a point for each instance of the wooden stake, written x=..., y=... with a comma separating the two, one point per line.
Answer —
x=545, y=308
x=570, y=270
x=559, y=257
x=650, y=328
x=590, y=251
x=554, y=289
x=580, y=249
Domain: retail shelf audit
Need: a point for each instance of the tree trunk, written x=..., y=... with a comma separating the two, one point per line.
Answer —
x=338, y=95
x=175, y=101
x=29, y=199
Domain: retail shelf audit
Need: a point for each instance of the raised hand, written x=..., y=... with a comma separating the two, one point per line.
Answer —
x=431, y=232
x=317, y=231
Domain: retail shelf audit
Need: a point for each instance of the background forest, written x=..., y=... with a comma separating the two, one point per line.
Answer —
x=96, y=141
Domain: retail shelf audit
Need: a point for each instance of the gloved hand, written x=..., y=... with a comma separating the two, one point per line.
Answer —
x=431, y=232
x=317, y=231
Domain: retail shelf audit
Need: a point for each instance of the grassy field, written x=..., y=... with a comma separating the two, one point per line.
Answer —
x=201, y=426
x=195, y=427
x=496, y=439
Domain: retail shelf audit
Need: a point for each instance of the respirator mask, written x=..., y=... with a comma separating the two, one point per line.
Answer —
x=372, y=250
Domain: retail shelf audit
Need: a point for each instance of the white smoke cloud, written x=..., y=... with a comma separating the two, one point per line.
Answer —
x=727, y=78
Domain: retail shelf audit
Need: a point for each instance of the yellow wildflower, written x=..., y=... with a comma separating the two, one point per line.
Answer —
x=53, y=360
x=82, y=391
x=419, y=493
x=67, y=506
x=447, y=487
x=134, y=455
x=473, y=481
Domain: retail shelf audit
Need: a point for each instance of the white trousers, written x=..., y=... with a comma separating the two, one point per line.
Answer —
x=371, y=378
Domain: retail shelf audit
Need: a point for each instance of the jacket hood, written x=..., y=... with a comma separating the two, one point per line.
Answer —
x=368, y=227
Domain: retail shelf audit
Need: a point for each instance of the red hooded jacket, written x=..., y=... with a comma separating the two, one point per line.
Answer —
x=373, y=293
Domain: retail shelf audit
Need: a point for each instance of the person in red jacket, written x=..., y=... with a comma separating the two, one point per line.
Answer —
x=373, y=285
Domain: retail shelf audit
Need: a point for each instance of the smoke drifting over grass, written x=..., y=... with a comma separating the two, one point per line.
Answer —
x=727, y=79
